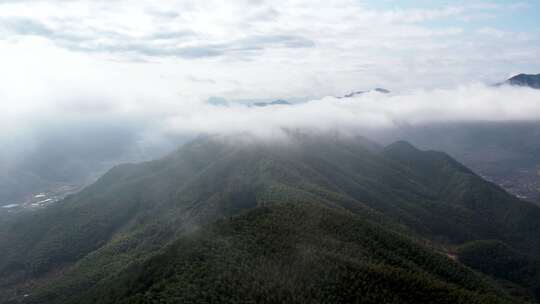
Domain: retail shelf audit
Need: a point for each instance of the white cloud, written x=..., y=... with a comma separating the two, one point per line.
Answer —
x=279, y=49
x=149, y=61
x=115, y=76
x=71, y=92
x=367, y=112
x=84, y=89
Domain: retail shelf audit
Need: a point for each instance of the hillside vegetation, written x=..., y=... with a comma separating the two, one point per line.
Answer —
x=105, y=233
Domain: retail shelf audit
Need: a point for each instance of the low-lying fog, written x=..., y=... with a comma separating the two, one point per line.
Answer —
x=74, y=134
x=100, y=127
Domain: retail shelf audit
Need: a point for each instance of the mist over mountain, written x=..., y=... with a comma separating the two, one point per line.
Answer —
x=248, y=151
x=54, y=155
x=72, y=147
x=286, y=169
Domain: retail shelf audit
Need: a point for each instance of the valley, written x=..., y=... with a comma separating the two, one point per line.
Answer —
x=523, y=183
x=42, y=199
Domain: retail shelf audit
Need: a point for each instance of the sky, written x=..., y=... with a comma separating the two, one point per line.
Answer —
x=249, y=49
x=89, y=77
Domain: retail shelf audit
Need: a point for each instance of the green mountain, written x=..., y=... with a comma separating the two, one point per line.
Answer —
x=507, y=153
x=505, y=264
x=339, y=215
x=293, y=253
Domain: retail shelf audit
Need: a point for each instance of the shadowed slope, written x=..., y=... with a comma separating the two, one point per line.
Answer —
x=294, y=253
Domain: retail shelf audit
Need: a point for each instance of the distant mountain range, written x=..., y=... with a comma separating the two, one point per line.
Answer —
x=525, y=80
x=350, y=95
x=315, y=218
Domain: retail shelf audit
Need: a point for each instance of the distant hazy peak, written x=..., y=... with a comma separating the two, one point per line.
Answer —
x=381, y=90
x=357, y=93
x=525, y=80
x=272, y=103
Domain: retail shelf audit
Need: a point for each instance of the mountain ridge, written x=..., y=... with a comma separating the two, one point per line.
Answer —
x=524, y=80
x=134, y=210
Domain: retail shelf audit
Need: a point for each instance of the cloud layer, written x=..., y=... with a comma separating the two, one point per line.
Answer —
x=142, y=119
x=118, y=77
x=370, y=111
x=276, y=49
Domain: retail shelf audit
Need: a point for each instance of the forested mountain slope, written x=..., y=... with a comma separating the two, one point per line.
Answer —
x=136, y=210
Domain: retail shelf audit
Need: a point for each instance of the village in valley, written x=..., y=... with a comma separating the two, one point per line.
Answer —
x=41, y=199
